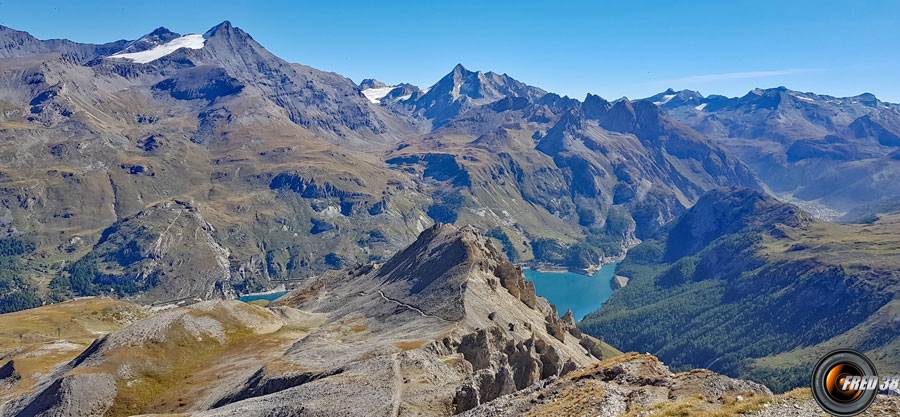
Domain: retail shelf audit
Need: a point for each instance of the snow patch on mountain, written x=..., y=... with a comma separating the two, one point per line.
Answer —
x=376, y=94
x=665, y=99
x=195, y=41
x=701, y=107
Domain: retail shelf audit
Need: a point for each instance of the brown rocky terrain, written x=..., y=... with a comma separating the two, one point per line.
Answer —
x=627, y=384
x=639, y=385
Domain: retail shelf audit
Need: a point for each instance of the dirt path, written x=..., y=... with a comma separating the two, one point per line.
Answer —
x=398, y=386
x=411, y=307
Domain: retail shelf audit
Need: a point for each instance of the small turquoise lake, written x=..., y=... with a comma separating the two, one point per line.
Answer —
x=268, y=296
x=581, y=293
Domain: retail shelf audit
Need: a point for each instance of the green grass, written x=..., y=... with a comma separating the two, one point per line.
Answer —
x=35, y=333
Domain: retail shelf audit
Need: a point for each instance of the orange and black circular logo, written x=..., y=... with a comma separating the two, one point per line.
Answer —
x=844, y=383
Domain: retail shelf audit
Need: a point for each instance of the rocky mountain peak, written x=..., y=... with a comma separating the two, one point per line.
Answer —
x=229, y=42
x=15, y=43
x=8, y=31
x=155, y=38
x=314, y=99
x=461, y=82
x=162, y=31
x=454, y=285
x=461, y=90
x=438, y=249
x=442, y=268
x=460, y=69
x=238, y=41
x=868, y=99
x=641, y=117
x=569, y=124
x=595, y=107
x=729, y=210
x=672, y=99
x=222, y=28
x=622, y=115
x=371, y=83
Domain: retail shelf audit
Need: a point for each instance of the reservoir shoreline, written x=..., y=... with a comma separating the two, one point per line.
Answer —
x=583, y=294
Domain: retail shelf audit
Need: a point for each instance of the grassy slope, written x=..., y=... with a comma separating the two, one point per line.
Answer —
x=39, y=339
x=170, y=374
x=78, y=322
x=873, y=246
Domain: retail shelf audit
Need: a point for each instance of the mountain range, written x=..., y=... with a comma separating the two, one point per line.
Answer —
x=147, y=183
x=134, y=162
x=828, y=154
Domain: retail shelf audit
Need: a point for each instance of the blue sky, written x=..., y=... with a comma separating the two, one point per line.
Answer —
x=623, y=48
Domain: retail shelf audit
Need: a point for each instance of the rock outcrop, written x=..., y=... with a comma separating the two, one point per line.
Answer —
x=631, y=383
x=481, y=331
x=8, y=374
x=640, y=385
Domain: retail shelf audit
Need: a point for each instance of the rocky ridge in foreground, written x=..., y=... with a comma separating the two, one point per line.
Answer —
x=640, y=385
x=445, y=326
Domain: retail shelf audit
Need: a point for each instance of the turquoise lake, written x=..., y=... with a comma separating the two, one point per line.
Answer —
x=270, y=296
x=581, y=293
